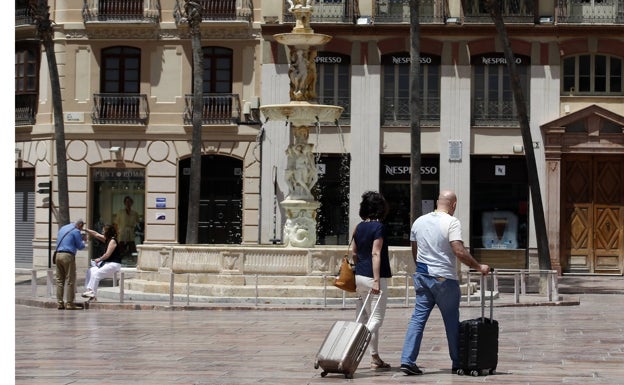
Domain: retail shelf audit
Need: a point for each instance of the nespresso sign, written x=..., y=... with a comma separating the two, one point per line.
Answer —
x=405, y=58
x=497, y=58
x=399, y=168
x=331, y=58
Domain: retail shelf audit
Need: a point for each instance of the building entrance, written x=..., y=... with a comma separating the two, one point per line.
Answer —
x=220, y=205
x=592, y=214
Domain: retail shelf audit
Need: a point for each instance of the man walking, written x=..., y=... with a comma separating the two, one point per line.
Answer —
x=436, y=245
x=68, y=240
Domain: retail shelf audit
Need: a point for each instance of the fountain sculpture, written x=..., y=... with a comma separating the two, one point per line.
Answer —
x=301, y=174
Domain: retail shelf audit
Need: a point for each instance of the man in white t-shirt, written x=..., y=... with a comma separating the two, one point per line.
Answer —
x=436, y=245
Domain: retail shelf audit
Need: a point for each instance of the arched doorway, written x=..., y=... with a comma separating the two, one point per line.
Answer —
x=220, y=205
x=585, y=191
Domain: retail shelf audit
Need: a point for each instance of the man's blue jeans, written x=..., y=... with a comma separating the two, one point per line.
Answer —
x=431, y=291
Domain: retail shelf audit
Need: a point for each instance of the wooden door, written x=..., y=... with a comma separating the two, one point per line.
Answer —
x=593, y=214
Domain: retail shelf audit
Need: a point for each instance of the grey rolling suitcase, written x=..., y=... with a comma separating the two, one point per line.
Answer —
x=344, y=345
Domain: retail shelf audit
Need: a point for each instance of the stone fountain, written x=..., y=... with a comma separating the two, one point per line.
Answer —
x=301, y=173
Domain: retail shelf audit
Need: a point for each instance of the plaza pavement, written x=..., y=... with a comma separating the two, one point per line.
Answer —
x=578, y=340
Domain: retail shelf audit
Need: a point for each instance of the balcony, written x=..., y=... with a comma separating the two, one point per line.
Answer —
x=590, y=11
x=120, y=109
x=23, y=17
x=218, y=10
x=121, y=11
x=495, y=113
x=398, y=11
x=395, y=112
x=513, y=11
x=216, y=109
x=25, y=109
x=328, y=11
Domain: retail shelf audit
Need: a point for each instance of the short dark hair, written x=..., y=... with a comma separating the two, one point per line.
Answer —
x=373, y=206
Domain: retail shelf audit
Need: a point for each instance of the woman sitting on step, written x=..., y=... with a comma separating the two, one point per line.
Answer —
x=106, y=265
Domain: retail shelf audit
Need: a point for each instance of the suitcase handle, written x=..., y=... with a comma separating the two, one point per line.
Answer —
x=364, y=306
x=491, y=295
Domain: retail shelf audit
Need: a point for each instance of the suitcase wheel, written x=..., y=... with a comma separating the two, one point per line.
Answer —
x=323, y=374
x=492, y=371
x=460, y=372
x=316, y=365
x=349, y=375
x=474, y=373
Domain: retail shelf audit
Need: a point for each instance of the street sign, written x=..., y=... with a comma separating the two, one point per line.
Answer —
x=44, y=187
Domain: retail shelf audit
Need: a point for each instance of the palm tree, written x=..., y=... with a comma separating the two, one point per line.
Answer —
x=414, y=108
x=41, y=14
x=527, y=140
x=194, y=17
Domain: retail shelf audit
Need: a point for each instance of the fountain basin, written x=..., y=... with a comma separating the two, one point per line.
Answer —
x=302, y=113
x=302, y=39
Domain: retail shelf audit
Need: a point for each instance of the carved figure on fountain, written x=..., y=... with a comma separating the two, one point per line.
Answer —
x=300, y=230
x=301, y=174
x=302, y=74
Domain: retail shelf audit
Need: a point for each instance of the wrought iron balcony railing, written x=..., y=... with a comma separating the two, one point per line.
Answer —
x=395, y=112
x=23, y=16
x=513, y=11
x=25, y=109
x=398, y=11
x=218, y=10
x=590, y=11
x=217, y=108
x=121, y=11
x=120, y=109
x=328, y=11
x=495, y=113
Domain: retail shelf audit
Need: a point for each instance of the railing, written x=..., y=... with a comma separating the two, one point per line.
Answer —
x=218, y=10
x=23, y=17
x=121, y=11
x=25, y=109
x=398, y=11
x=520, y=277
x=494, y=113
x=513, y=11
x=328, y=11
x=590, y=11
x=216, y=109
x=120, y=109
x=395, y=112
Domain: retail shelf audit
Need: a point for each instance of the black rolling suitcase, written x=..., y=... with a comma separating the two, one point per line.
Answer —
x=478, y=339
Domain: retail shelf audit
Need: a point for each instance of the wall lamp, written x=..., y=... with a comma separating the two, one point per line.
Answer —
x=116, y=151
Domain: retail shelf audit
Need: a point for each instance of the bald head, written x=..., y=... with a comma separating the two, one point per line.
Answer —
x=447, y=200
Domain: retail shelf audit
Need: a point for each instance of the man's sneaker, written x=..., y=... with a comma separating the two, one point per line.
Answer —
x=410, y=370
x=88, y=294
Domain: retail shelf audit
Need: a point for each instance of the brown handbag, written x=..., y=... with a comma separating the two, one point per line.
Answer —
x=346, y=276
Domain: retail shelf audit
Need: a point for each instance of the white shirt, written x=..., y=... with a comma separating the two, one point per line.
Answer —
x=433, y=233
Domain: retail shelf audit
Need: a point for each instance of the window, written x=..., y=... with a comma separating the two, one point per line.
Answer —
x=593, y=74
x=333, y=84
x=396, y=85
x=217, y=70
x=121, y=70
x=492, y=95
x=26, y=65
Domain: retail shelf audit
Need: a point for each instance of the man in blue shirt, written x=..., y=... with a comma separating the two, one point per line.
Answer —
x=68, y=240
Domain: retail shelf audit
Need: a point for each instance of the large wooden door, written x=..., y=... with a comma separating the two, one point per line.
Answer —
x=593, y=214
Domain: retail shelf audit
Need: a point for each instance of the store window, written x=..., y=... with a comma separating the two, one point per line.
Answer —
x=395, y=186
x=119, y=199
x=492, y=96
x=499, y=211
x=333, y=82
x=592, y=75
x=395, y=101
x=332, y=192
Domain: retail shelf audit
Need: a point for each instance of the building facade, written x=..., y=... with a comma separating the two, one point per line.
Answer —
x=126, y=77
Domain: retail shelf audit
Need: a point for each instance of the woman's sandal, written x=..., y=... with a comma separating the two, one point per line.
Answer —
x=380, y=365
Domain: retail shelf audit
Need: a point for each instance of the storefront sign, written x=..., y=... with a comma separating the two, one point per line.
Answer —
x=399, y=168
x=405, y=58
x=118, y=174
x=331, y=58
x=455, y=150
x=498, y=58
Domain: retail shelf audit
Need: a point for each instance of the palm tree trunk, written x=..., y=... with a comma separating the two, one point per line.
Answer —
x=41, y=14
x=194, y=17
x=538, y=209
x=415, y=109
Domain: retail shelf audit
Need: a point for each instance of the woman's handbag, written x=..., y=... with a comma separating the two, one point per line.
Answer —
x=346, y=276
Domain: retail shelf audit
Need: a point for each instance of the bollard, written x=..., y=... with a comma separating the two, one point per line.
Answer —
x=50, y=281
x=516, y=288
x=407, y=290
x=188, y=289
x=121, y=286
x=33, y=282
x=256, y=299
x=171, y=287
